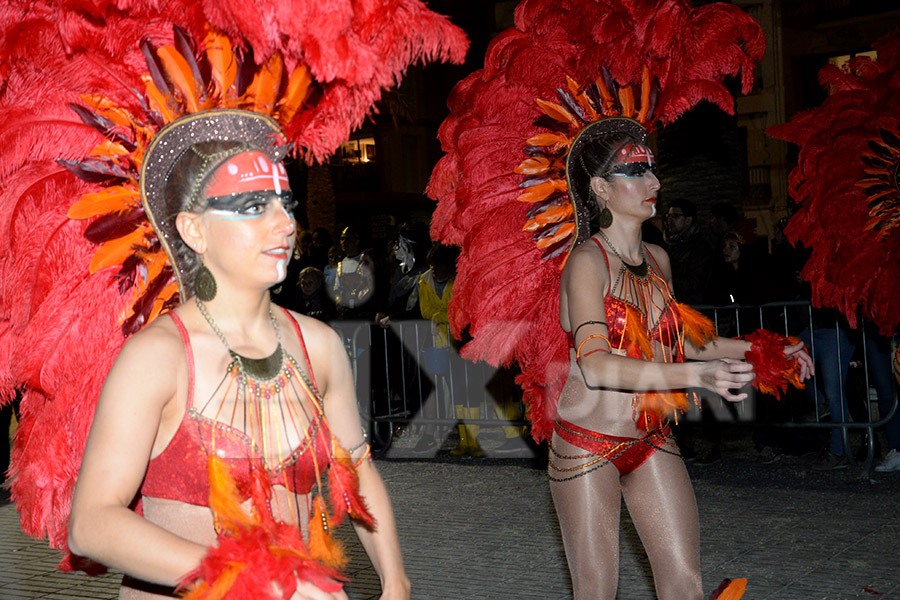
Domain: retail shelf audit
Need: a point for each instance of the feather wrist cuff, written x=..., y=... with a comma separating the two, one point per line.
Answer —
x=773, y=369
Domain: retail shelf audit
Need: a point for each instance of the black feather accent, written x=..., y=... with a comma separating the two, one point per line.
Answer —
x=880, y=187
x=155, y=67
x=569, y=102
x=144, y=305
x=874, y=162
x=593, y=94
x=556, y=249
x=547, y=122
x=553, y=200
x=93, y=170
x=246, y=69
x=102, y=124
x=114, y=225
x=187, y=47
x=532, y=180
x=132, y=268
x=546, y=232
x=880, y=150
x=890, y=139
x=652, y=99
x=612, y=86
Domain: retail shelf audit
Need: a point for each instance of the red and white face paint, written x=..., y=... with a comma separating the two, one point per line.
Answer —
x=633, y=154
x=247, y=172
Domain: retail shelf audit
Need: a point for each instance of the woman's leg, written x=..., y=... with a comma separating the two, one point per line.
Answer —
x=588, y=508
x=661, y=502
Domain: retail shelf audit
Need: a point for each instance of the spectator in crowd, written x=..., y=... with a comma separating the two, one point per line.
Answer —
x=354, y=281
x=321, y=244
x=688, y=251
x=314, y=301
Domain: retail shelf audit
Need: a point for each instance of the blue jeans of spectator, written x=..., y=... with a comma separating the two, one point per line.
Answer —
x=833, y=347
x=878, y=357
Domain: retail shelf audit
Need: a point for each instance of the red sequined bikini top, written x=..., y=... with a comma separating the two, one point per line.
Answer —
x=180, y=471
x=668, y=327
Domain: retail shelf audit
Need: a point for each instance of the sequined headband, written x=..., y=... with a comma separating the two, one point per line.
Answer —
x=590, y=133
x=253, y=130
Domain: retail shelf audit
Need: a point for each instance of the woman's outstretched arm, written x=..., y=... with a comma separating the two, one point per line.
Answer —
x=582, y=311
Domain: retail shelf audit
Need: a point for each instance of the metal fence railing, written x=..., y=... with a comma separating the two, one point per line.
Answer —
x=407, y=372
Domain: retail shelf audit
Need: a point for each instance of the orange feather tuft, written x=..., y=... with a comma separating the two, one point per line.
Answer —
x=223, y=66
x=541, y=191
x=565, y=231
x=180, y=72
x=322, y=545
x=557, y=112
x=609, y=102
x=645, y=95
x=556, y=140
x=158, y=101
x=637, y=342
x=626, y=97
x=114, y=252
x=554, y=214
x=224, y=499
x=663, y=404
x=260, y=94
x=734, y=591
x=296, y=94
x=114, y=199
x=537, y=165
x=697, y=327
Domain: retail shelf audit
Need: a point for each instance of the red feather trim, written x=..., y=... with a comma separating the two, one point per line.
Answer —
x=774, y=371
x=343, y=491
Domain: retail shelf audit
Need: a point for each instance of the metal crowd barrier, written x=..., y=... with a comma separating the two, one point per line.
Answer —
x=406, y=373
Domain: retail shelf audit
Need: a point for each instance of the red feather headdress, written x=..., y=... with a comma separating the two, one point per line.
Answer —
x=83, y=87
x=648, y=59
x=847, y=183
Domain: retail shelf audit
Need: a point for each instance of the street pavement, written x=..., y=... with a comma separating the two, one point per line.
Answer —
x=485, y=529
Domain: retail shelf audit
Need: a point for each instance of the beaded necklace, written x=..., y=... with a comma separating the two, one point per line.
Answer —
x=266, y=406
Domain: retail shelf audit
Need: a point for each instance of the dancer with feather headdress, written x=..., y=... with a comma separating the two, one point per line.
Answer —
x=144, y=200
x=554, y=274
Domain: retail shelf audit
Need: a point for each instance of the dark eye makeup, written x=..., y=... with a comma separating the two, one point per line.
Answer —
x=249, y=203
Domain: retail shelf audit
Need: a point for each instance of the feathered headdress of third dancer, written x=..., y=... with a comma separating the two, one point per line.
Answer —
x=847, y=185
x=564, y=64
x=84, y=87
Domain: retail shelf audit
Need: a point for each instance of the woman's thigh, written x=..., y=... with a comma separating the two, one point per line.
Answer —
x=588, y=505
x=661, y=502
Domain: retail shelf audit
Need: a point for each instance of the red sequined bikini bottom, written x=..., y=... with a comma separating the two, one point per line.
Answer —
x=625, y=453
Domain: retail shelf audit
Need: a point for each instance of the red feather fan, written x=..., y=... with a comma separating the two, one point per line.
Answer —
x=846, y=183
x=76, y=80
x=505, y=293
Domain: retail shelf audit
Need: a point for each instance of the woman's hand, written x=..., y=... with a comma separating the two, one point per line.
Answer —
x=807, y=369
x=724, y=375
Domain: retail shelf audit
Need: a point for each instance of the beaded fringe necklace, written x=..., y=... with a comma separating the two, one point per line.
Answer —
x=648, y=301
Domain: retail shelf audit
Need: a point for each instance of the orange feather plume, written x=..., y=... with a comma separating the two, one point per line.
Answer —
x=322, y=545
x=637, y=342
x=178, y=69
x=697, y=327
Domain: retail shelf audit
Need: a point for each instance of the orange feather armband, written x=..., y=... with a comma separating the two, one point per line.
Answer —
x=774, y=371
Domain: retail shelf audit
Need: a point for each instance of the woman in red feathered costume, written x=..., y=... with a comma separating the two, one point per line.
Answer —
x=629, y=339
x=225, y=414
